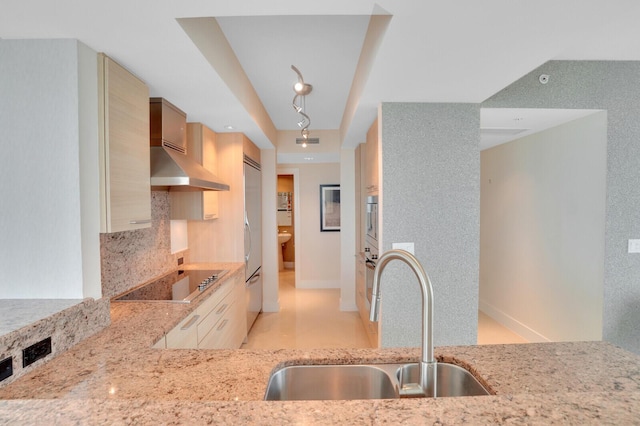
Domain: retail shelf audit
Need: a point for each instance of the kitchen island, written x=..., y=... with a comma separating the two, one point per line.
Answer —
x=116, y=377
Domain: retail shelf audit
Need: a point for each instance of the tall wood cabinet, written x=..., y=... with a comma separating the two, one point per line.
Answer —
x=198, y=205
x=371, y=159
x=125, y=187
x=222, y=240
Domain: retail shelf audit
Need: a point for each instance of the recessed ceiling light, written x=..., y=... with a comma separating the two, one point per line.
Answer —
x=229, y=127
x=308, y=158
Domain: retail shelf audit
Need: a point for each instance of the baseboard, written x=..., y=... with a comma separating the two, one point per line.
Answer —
x=512, y=324
x=348, y=307
x=318, y=284
x=289, y=265
x=270, y=306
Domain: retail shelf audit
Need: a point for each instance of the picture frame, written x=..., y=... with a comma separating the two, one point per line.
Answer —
x=329, y=208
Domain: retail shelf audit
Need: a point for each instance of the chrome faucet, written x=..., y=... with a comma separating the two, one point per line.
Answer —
x=428, y=364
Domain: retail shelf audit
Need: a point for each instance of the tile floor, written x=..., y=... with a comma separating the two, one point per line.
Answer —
x=311, y=318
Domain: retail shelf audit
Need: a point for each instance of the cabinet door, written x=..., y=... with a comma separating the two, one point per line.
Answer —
x=360, y=288
x=209, y=162
x=198, y=205
x=124, y=149
x=371, y=155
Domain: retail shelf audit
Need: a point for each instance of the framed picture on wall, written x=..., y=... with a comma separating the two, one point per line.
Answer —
x=329, y=208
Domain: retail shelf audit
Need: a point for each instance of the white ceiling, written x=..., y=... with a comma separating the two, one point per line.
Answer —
x=432, y=51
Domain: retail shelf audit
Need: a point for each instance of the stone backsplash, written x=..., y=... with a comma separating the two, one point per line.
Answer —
x=133, y=257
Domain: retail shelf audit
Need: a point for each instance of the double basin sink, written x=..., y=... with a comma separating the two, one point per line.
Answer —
x=371, y=381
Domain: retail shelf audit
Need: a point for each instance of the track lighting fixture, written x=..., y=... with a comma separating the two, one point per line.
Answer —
x=301, y=90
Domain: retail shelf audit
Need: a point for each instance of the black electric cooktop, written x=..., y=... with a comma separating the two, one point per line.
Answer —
x=180, y=286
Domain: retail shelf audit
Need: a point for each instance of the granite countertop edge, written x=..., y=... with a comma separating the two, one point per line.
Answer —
x=116, y=377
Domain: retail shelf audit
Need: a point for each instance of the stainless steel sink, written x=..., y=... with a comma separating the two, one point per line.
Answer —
x=451, y=380
x=313, y=382
x=374, y=381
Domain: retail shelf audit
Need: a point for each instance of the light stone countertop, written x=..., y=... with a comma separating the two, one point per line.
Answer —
x=115, y=377
x=18, y=313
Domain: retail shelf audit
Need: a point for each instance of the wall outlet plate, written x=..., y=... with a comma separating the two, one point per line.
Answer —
x=404, y=246
x=36, y=351
x=634, y=246
x=6, y=368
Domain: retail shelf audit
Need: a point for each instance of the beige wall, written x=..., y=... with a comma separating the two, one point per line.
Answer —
x=542, y=232
x=318, y=257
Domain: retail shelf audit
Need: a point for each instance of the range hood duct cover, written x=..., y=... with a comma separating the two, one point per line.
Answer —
x=178, y=172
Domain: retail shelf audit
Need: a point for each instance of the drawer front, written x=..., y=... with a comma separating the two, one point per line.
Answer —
x=211, y=302
x=221, y=335
x=212, y=318
x=185, y=334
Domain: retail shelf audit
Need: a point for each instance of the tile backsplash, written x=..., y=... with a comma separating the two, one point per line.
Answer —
x=132, y=257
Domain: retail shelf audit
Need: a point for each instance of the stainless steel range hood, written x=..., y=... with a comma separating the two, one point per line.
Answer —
x=175, y=171
x=171, y=168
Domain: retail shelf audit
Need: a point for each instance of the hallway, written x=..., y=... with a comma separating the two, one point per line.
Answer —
x=311, y=318
x=308, y=318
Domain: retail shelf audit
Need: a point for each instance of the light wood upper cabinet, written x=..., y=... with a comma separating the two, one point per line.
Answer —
x=125, y=186
x=371, y=156
x=198, y=205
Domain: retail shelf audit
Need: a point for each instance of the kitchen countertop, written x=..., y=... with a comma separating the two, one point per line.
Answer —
x=115, y=377
x=18, y=313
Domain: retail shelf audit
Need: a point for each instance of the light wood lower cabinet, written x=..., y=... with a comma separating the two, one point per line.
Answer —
x=218, y=323
x=184, y=335
x=225, y=327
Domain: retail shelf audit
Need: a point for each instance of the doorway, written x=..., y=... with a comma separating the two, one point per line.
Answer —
x=285, y=217
x=542, y=218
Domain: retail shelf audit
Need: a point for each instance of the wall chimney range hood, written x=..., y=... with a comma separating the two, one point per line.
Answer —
x=171, y=168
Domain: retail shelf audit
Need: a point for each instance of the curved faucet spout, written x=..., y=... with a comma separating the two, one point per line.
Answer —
x=428, y=363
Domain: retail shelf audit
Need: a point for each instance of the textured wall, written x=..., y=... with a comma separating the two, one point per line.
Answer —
x=130, y=258
x=615, y=87
x=430, y=195
x=42, y=217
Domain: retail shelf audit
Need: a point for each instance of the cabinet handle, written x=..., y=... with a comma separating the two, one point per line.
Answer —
x=222, y=308
x=139, y=221
x=222, y=324
x=190, y=323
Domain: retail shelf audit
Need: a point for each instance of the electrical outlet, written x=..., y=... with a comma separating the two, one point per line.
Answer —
x=404, y=246
x=6, y=368
x=634, y=246
x=36, y=351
